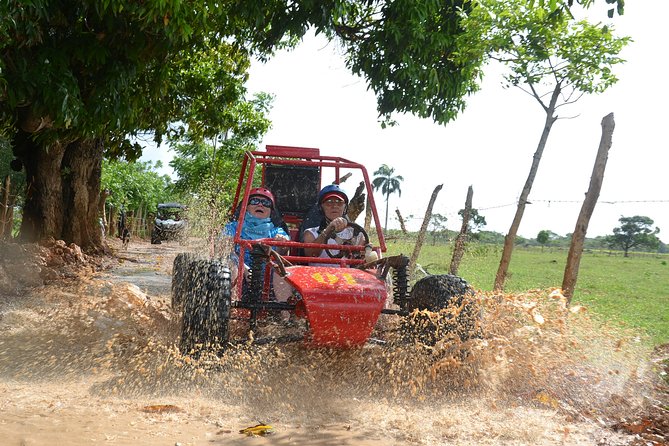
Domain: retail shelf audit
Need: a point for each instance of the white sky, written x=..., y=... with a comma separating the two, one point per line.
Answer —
x=318, y=103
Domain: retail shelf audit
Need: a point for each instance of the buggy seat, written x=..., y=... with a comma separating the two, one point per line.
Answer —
x=295, y=187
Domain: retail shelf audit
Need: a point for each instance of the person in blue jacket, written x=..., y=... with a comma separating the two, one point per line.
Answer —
x=262, y=220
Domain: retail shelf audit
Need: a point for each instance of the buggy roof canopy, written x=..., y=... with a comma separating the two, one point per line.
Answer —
x=171, y=205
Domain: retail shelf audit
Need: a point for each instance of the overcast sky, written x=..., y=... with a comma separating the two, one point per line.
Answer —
x=318, y=103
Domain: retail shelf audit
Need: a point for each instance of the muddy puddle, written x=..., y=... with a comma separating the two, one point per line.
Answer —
x=95, y=362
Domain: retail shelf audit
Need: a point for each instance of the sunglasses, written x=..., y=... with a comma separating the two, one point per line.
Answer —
x=262, y=201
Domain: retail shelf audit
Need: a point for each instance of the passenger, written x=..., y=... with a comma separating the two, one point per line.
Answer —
x=262, y=220
x=333, y=228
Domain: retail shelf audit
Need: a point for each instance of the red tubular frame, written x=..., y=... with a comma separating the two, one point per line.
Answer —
x=295, y=156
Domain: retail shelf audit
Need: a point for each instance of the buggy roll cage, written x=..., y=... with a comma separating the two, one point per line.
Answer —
x=294, y=175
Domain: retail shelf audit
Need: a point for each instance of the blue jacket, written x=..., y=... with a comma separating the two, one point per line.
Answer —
x=254, y=228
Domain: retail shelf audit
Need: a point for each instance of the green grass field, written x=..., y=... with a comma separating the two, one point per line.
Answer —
x=632, y=290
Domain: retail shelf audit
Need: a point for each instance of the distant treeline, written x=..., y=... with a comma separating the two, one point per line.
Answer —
x=496, y=238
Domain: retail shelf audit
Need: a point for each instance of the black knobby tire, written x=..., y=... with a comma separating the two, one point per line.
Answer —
x=180, y=270
x=455, y=311
x=155, y=237
x=206, y=312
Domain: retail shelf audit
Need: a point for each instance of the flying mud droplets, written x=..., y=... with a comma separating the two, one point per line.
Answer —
x=530, y=371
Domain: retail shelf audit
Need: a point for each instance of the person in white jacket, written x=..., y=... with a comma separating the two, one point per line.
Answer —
x=334, y=228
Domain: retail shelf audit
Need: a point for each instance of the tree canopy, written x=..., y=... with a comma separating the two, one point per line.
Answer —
x=217, y=160
x=543, y=48
x=634, y=232
x=552, y=58
x=438, y=227
x=71, y=68
x=389, y=183
x=78, y=77
x=476, y=221
x=134, y=185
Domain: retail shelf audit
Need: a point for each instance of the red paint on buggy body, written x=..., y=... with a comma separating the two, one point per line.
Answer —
x=342, y=305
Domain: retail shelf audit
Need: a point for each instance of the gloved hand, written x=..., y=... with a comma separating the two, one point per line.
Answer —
x=370, y=255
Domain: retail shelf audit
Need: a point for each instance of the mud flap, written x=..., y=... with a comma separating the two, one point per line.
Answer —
x=342, y=305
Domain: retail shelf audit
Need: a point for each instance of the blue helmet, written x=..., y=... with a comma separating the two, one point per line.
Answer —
x=332, y=189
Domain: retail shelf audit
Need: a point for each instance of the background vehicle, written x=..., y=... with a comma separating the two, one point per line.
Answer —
x=169, y=223
x=339, y=303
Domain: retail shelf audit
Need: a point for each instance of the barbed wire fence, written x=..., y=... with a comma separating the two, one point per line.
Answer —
x=549, y=202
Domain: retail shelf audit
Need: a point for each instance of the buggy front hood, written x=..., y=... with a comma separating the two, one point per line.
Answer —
x=170, y=225
x=342, y=305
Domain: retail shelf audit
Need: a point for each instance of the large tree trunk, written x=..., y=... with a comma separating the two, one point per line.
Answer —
x=62, y=192
x=510, y=238
x=578, y=237
x=81, y=193
x=43, y=210
x=461, y=240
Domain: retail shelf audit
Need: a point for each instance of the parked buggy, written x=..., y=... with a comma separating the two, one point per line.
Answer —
x=169, y=223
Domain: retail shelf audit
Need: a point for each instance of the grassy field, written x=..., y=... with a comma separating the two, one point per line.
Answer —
x=632, y=290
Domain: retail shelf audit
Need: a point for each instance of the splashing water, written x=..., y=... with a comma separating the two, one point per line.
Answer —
x=91, y=362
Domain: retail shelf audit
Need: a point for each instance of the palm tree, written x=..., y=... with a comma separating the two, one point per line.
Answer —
x=388, y=184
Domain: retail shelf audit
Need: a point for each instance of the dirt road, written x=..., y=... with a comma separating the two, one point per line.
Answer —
x=92, y=360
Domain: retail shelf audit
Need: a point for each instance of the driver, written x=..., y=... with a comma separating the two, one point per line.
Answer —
x=333, y=229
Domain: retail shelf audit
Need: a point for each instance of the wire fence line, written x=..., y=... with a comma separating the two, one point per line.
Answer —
x=549, y=202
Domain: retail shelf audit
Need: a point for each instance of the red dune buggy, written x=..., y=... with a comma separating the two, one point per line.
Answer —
x=340, y=299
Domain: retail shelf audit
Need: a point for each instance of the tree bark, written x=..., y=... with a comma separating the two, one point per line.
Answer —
x=357, y=203
x=423, y=229
x=43, y=210
x=10, y=218
x=102, y=209
x=368, y=216
x=62, y=191
x=510, y=238
x=81, y=193
x=461, y=240
x=588, y=207
x=385, y=226
x=401, y=219
x=4, y=222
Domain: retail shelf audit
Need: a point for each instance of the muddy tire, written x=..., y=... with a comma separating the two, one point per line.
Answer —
x=206, y=307
x=155, y=237
x=180, y=271
x=452, y=312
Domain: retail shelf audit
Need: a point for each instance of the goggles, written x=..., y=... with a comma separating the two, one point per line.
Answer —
x=334, y=202
x=262, y=201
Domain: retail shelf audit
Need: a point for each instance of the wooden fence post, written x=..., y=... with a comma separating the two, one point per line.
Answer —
x=402, y=225
x=588, y=207
x=5, y=209
x=111, y=223
x=423, y=230
x=461, y=240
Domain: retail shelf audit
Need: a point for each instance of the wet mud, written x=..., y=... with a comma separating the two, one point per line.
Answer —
x=95, y=360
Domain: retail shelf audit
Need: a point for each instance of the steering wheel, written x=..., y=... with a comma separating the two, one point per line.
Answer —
x=357, y=230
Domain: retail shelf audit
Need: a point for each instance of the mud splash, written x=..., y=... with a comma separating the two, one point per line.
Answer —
x=82, y=363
